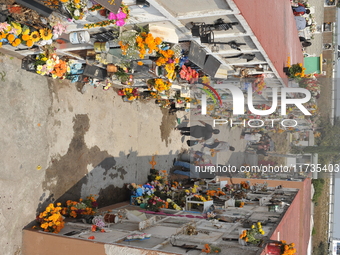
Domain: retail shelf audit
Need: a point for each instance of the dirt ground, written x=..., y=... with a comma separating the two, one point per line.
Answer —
x=321, y=211
x=321, y=217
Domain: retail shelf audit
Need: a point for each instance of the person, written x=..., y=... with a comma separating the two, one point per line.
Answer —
x=189, y=169
x=305, y=43
x=253, y=137
x=205, y=132
x=219, y=146
x=300, y=10
x=301, y=23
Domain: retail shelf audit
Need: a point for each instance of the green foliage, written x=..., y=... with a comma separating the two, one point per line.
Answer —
x=328, y=144
x=313, y=231
x=318, y=186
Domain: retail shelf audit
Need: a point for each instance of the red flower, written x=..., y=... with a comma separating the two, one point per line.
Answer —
x=91, y=237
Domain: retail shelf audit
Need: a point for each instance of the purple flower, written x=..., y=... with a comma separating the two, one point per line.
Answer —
x=121, y=15
x=120, y=22
x=112, y=16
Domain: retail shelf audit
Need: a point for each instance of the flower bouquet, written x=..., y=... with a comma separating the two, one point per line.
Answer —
x=51, y=219
x=76, y=8
x=287, y=249
x=159, y=84
x=136, y=45
x=118, y=19
x=129, y=93
x=75, y=209
x=211, y=249
x=259, y=85
x=250, y=235
x=296, y=71
x=14, y=33
x=155, y=204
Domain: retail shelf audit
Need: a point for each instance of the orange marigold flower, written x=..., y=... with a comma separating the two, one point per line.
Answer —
x=10, y=38
x=140, y=63
x=29, y=43
x=25, y=37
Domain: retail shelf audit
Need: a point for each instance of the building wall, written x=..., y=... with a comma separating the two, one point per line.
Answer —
x=330, y=14
x=39, y=243
x=327, y=37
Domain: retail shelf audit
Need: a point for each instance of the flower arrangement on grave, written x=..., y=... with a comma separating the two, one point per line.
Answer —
x=51, y=219
x=259, y=84
x=287, y=249
x=129, y=93
x=189, y=74
x=79, y=208
x=14, y=33
x=158, y=176
x=155, y=203
x=98, y=224
x=76, y=8
x=312, y=84
x=58, y=29
x=211, y=216
x=200, y=198
x=251, y=235
x=228, y=188
x=159, y=85
x=245, y=185
x=215, y=193
x=136, y=45
x=118, y=19
x=173, y=205
x=211, y=249
x=297, y=71
x=239, y=204
x=53, y=66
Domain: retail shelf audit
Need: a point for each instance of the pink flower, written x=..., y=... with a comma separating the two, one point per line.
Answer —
x=120, y=22
x=3, y=26
x=112, y=16
x=121, y=15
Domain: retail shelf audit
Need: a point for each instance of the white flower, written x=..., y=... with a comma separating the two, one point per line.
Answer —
x=76, y=13
x=48, y=42
x=39, y=67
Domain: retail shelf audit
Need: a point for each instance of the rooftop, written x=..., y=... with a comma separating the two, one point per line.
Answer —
x=169, y=228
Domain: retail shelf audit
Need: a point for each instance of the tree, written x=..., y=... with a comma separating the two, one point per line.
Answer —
x=328, y=144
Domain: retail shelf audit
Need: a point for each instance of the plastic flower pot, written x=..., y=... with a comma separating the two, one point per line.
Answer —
x=273, y=249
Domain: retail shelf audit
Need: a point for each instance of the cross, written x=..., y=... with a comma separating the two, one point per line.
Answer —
x=153, y=162
x=111, y=2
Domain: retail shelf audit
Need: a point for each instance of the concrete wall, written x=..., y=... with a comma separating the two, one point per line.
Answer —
x=330, y=14
x=39, y=243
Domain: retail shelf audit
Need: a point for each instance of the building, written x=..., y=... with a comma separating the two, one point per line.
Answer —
x=279, y=211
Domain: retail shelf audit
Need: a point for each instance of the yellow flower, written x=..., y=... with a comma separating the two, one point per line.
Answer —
x=45, y=33
x=17, y=27
x=35, y=36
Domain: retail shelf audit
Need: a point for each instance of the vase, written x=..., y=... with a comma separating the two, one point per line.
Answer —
x=273, y=249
